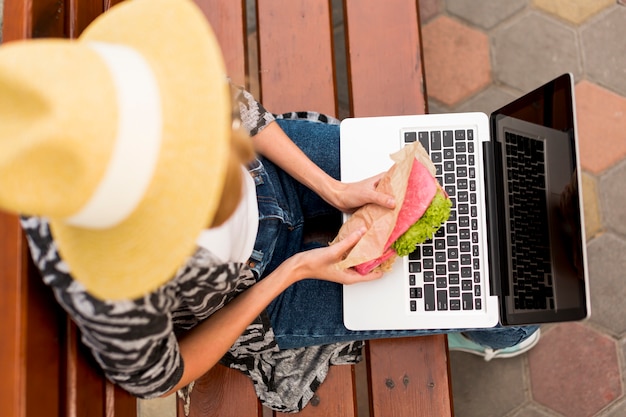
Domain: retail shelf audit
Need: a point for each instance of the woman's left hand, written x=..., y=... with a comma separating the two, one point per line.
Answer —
x=348, y=197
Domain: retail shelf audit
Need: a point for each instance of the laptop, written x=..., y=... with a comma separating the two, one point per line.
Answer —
x=513, y=251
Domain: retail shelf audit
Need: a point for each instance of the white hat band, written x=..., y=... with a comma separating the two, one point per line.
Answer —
x=136, y=149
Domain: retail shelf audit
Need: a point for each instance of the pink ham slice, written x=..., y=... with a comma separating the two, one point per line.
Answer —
x=421, y=189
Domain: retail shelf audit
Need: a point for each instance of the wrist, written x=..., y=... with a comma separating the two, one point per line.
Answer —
x=330, y=190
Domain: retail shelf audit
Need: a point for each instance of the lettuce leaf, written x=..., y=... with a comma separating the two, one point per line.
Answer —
x=422, y=230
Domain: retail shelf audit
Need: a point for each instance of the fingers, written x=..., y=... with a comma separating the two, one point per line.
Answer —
x=349, y=241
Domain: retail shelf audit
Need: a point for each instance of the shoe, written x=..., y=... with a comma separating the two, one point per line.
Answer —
x=458, y=342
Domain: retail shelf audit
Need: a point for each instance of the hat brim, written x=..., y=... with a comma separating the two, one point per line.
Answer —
x=145, y=250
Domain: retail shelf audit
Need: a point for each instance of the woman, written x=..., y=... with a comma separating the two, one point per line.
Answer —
x=252, y=293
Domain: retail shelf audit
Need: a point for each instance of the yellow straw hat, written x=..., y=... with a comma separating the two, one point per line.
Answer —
x=121, y=139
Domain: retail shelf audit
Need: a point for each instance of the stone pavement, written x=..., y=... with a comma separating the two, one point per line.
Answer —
x=479, y=54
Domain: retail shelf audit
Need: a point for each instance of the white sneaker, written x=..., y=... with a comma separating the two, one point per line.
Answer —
x=458, y=342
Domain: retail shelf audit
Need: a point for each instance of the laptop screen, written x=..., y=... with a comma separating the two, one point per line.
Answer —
x=543, y=221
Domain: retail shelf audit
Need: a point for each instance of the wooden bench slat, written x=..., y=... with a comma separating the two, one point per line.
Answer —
x=383, y=44
x=223, y=392
x=384, y=60
x=409, y=374
x=12, y=359
x=227, y=18
x=296, y=56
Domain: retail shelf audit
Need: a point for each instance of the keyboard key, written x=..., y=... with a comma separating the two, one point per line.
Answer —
x=415, y=267
x=410, y=137
x=435, y=141
x=448, y=138
x=455, y=304
x=468, y=301
x=429, y=297
x=442, y=300
x=424, y=140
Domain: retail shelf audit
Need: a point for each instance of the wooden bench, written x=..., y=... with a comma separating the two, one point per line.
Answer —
x=291, y=64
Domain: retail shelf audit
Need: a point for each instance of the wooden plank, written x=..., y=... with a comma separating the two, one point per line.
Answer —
x=45, y=369
x=85, y=387
x=409, y=376
x=222, y=392
x=80, y=14
x=296, y=72
x=12, y=310
x=384, y=57
x=43, y=327
x=17, y=20
x=228, y=20
x=296, y=56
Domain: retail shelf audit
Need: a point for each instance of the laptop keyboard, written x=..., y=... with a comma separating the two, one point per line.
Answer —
x=444, y=272
x=530, y=250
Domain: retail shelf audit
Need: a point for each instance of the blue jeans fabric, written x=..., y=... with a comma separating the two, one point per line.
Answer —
x=310, y=311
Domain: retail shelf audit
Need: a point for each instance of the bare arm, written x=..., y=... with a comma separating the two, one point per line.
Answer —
x=275, y=145
x=204, y=345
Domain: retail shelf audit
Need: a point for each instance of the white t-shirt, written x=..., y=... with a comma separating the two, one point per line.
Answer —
x=233, y=241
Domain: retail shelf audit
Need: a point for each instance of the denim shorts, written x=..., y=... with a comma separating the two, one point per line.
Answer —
x=309, y=312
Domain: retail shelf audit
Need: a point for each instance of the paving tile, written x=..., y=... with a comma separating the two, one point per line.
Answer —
x=435, y=107
x=575, y=11
x=604, y=56
x=485, y=14
x=524, y=53
x=476, y=385
x=532, y=410
x=158, y=407
x=613, y=197
x=591, y=207
x=456, y=60
x=487, y=100
x=607, y=272
x=601, y=117
x=575, y=349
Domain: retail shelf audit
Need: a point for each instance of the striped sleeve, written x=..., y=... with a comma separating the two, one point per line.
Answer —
x=132, y=340
x=254, y=116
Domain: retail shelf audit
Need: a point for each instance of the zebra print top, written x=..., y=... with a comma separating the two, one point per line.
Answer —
x=135, y=341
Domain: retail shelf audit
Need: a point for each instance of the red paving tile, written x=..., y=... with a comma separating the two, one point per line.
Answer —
x=457, y=60
x=601, y=117
x=574, y=370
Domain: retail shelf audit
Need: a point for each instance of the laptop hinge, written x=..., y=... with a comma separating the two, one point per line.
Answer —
x=498, y=253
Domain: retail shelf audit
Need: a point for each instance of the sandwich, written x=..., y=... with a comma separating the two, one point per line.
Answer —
x=422, y=207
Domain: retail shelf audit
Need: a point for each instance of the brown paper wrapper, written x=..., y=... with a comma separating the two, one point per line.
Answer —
x=380, y=221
